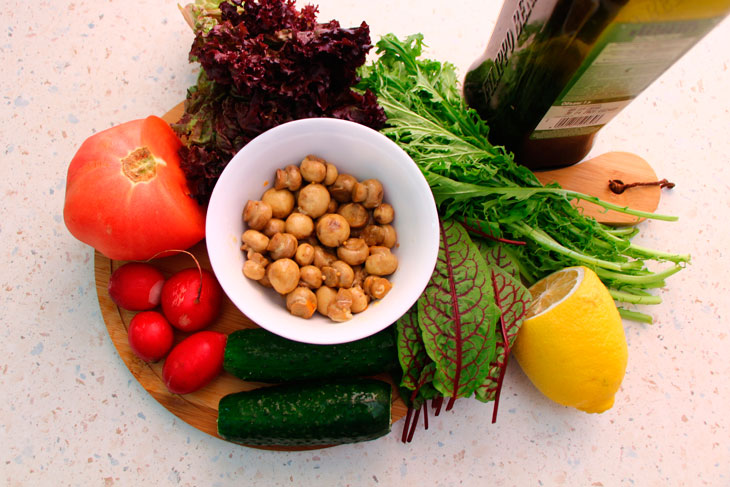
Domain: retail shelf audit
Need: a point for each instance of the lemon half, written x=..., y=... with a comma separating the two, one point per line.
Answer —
x=572, y=344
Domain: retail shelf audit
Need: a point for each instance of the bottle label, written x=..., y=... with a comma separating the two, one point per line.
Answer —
x=625, y=60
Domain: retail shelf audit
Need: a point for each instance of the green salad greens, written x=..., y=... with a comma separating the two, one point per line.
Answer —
x=482, y=186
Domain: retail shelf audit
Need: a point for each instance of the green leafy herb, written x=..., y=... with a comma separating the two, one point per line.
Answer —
x=513, y=299
x=476, y=182
x=455, y=341
x=457, y=315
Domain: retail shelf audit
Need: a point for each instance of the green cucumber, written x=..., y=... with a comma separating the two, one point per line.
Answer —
x=307, y=413
x=261, y=356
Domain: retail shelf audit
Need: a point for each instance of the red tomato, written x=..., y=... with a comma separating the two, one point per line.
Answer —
x=126, y=195
x=136, y=286
x=186, y=305
x=150, y=336
x=194, y=362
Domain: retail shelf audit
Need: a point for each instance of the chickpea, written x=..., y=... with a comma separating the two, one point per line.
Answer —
x=275, y=225
x=330, y=174
x=313, y=200
x=354, y=251
x=283, y=275
x=313, y=169
x=389, y=236
x=282, y=245
x=322, y=257
x=310, y=276
x=341, y=189
x=368, y=192
x=325, y=296
x=373, y=235
x=254, y=240
x=280, y=200
x=332, y=230
x=340, y=309
x=383, y=214
x=299, y=225
x=256, y=214
x=360, y=300
x=333, y=206
x=301, y=302
x=345, y=274
x=381, y=262
x=304, y=254
x=289, y=178
x=377, y=287
x=357, y=215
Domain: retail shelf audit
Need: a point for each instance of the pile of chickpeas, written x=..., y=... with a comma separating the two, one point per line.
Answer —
x=321, y=239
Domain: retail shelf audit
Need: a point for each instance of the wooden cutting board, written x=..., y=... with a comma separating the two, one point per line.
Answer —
x=592, y=176
x=199, y=409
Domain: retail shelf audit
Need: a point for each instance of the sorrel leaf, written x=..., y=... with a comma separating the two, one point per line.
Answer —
x=411, y=351
x=497, y=255
x=457, y=315
x=513, y=299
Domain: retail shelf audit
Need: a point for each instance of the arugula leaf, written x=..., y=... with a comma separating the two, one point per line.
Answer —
x=473, y=180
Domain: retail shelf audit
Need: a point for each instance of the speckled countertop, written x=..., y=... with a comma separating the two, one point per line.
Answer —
x=72, y=414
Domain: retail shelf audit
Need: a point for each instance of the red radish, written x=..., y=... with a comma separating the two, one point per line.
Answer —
x=136, y=286
x=150, y=336
x=192, y=299
x=194, y=362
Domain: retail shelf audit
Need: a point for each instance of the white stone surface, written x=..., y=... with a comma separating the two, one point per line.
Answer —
x=72, y=414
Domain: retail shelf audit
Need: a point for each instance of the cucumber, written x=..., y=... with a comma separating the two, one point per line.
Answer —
x=307, y=413
x=261, y=356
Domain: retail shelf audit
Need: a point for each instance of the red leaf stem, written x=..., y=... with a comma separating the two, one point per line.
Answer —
x=414, y=424
x=500, y=305
x=458, y=339
x=425, y=416
x=450, y=404
x=436, y=404
x=404, y=436
x=481, y=233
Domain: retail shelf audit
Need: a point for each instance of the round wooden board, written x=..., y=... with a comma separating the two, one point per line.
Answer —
x=199, y=409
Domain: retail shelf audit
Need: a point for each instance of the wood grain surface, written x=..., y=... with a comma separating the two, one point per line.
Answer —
x=592, y=176
x=199, y=409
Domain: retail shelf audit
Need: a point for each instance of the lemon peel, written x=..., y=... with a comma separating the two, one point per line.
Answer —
x=572, y=344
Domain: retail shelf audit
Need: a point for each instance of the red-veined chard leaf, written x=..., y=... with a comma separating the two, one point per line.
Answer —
x=411, y=351
x=457, y=315
x=513, y=299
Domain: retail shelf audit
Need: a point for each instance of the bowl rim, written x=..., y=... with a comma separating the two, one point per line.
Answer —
x=337, y=126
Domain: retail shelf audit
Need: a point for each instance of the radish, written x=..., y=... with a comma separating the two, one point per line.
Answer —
x=136, y=286
x=194, y=362
x=191, y=298
x=150, y=336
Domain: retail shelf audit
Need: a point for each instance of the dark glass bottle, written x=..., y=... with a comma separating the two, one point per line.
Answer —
x=556, y=71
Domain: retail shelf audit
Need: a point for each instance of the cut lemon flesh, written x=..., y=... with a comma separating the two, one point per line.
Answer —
x=553, y=290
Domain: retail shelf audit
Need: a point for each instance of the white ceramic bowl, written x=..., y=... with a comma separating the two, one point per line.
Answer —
x=354, y=149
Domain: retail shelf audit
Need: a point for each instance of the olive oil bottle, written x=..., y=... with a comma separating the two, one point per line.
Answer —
x=556, y=71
